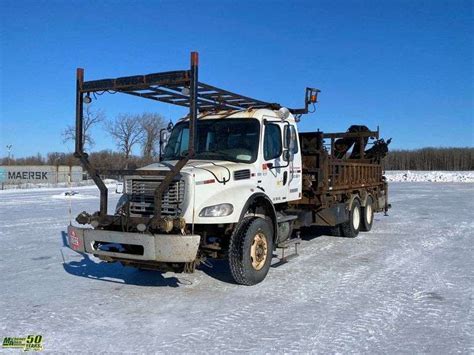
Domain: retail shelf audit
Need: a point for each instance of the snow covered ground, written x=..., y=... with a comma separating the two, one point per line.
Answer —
x=74, y=185
x=404, y=287
x=429, y=176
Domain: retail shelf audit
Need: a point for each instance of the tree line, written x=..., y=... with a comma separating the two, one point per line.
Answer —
x=430, y=159
x=129, y=131
x=126, y=130
x=104, y=159
x=419, y=159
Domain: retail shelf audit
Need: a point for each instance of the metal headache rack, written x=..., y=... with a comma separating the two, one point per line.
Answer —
x=180, y=88
x=175, y=88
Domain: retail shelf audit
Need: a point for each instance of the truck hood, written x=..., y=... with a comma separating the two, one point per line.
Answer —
x=203, y=168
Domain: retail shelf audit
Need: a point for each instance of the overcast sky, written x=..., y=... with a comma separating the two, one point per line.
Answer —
x=406, y=66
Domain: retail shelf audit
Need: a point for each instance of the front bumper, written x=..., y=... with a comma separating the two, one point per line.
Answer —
x=173, y=248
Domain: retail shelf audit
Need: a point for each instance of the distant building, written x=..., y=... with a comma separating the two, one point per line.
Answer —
x=40, y=174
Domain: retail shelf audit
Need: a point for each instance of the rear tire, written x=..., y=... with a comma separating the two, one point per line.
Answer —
x=367, y=218
x=251, y=250
x=350, y=229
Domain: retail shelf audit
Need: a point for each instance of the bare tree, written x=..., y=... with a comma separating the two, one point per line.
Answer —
x=151, y=124
x=91, y=118
x=127, y=131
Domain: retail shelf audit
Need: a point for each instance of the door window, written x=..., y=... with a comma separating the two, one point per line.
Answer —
x=293, y=141
x=272, y=147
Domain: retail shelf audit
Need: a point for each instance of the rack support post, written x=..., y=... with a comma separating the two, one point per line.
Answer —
x=193, y=106
x=79, y=151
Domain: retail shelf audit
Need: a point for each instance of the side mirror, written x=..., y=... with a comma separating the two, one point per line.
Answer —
x=287, y=137
x=164, y=137
x=289, y=142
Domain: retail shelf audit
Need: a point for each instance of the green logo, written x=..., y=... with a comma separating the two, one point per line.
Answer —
x=29, y=343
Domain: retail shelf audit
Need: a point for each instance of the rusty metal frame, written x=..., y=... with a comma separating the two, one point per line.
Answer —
x=359, y=135
x=332, y=179
x=180, y=88
x=174, y=87
x=129, y=85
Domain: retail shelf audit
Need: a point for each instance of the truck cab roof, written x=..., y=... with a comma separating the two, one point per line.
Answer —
x=259, y=114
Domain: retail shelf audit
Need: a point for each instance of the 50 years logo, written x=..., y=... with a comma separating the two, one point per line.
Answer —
x=30, y=342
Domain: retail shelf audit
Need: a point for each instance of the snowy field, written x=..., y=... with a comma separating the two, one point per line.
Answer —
x=429, y=176
x=74, y=185
x=404, y=287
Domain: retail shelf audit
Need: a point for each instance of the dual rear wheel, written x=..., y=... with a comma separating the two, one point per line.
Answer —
x=367, y=217
x=360, y=219
x=251, y=244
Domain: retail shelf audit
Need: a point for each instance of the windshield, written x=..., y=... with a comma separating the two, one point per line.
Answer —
x=225, y=139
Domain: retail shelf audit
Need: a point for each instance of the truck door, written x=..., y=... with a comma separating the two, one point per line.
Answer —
x=293, y=155
x=275, y=170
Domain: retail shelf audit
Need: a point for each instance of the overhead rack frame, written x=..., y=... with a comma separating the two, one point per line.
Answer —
x=180, y=88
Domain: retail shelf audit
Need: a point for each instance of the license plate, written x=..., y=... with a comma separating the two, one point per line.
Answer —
x=74, y=240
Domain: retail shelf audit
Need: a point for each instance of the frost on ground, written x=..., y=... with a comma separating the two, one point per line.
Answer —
x=404, y=287
x=429, y=176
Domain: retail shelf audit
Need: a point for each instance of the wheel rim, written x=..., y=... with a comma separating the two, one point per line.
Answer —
x=369, y=216
x=356, y=218
x=259, y=251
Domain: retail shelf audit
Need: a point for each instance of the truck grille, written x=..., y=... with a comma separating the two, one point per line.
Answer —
x=141, y=192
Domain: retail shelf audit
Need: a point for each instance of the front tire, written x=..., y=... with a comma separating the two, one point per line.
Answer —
x=251, y=250
x=350, y=229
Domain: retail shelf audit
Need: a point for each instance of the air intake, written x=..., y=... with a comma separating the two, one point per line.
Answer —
x=242, y=174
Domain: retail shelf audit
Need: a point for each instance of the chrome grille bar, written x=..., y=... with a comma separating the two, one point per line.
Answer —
x=141, y=192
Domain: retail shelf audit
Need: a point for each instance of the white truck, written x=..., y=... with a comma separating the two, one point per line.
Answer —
x=236, y=181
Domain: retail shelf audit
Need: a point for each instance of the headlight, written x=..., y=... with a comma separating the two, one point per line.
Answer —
x=224, y=209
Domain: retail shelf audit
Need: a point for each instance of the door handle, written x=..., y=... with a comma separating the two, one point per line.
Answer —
x=285, y=177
